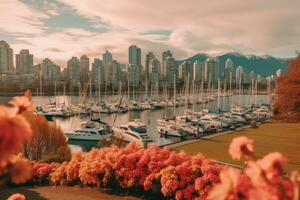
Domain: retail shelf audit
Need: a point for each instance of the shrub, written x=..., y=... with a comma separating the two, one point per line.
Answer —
x=48, y=143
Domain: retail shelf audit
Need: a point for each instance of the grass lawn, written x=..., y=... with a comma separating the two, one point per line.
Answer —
x=268, y=137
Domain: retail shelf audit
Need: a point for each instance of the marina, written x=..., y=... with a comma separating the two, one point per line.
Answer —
x=161, y=126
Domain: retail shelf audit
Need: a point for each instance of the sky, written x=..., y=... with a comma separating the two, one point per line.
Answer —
x=60, y=29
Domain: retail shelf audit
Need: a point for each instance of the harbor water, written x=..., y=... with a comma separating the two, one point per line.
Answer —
x=149, y=117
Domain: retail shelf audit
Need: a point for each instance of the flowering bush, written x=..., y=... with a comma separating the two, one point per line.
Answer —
x=14, y=131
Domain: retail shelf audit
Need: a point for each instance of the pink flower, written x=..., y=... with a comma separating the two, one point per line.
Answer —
x=240, y=146
x=14, y=130
x=17, y=197
x=229, y=181
x=271, y=164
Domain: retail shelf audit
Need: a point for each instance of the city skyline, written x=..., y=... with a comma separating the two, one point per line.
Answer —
x=109, y=72
x=60, y=29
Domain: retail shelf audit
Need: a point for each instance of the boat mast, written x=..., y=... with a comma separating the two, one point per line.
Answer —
x=174, y=88
x=219, y=91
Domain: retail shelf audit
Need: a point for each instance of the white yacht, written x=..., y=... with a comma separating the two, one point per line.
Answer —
x=88, y=134
x=237, y=110
x=132, y=131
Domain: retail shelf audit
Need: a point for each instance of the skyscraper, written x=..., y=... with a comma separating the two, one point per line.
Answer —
x=198, y=69
x=24, y=62
x=212, y=70
x=73, y=71
x=165, y=55
x=134, y=55
x=186, y=71
x=149, y=58
x=97, y=72
x=228, y=71
x=50, y=72
x=134, y=66
x=6, y=57
x=107, y=64
x=133, y=75
x=154, y=71
x=171, y=70
x=116, y=73
x=84, y=65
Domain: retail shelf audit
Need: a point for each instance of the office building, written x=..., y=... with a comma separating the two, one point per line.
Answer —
x=6, y=58
x=73, y=72
x=165, y=55
x=84, y=65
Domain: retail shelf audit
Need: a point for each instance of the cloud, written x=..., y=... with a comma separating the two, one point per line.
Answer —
x=16, y=17
x=53, y=49
x=210, y=26
x=64, y=28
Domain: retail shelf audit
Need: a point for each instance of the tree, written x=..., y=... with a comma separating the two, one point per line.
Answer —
x=48, y=142
x=287, y=99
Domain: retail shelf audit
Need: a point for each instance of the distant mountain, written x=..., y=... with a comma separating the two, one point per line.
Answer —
x=263, y=65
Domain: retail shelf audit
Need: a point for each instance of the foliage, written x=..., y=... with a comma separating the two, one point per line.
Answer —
x=14, y=130
x=48, y=143
x=287, y=101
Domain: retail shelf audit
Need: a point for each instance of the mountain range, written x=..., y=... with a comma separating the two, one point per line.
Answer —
x=263, y=65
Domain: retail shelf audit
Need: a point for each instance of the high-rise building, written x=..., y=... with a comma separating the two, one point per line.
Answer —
x=212, y=70
x=24, y=62
x=97, y=72
x=165, y=55
x=84, y=65
x=198, y=69
x=133, y=74
x=134, y=55
x=116, y=73
x=185, y=71
x=6, y=58
x=154, y=71
x=73, y=72
x=134, y=67
x=171, y=70
x=239, y=75
x=228, y=71
x=50, y=72
x=149, y=58
x=107, y=60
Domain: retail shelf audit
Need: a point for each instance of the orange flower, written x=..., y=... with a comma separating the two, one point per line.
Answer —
x=23, y=104
x=229, y=181
x=240, y=146
x=272, y=164
x=14, y=130
x=20, y=170
x=17, y=197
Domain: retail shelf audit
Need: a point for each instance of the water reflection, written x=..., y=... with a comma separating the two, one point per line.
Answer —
x=149, y=117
